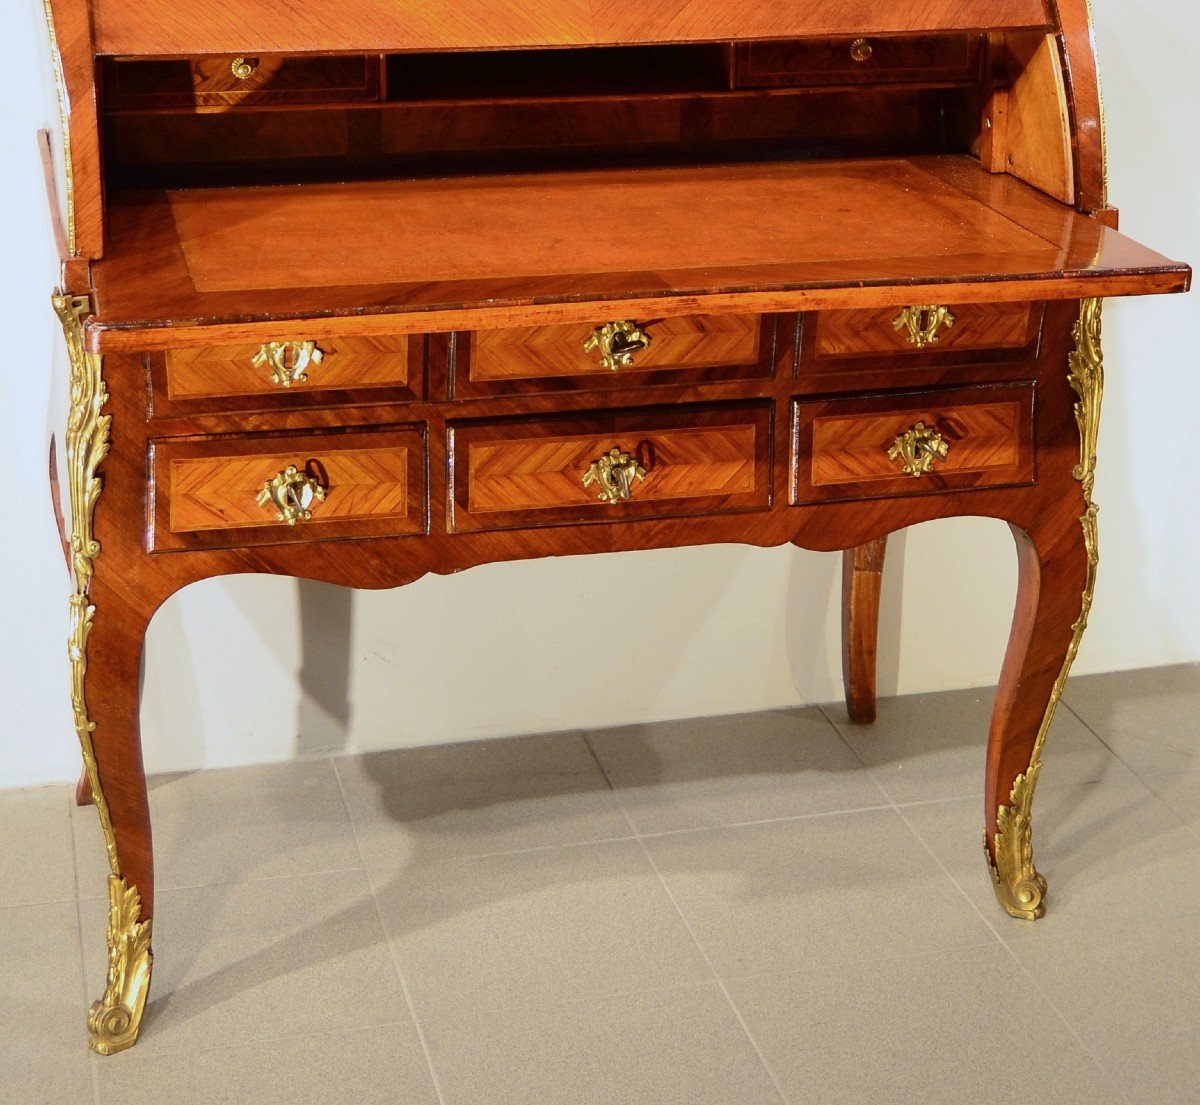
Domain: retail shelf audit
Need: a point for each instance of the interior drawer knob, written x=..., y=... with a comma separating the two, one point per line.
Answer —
x=862, y=50
x=924, y=324
x=244, y=68
x=289, y=361
x=292, y=494
x=618, y=343
x=613, y=475
x=919, y=449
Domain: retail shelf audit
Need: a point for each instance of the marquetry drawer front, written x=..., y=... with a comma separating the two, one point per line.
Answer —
x=612, y=467
x=925, y=333
x=913, y=444
x=230, y=81
x=294, y=368
x=221, y=492
x=862, y=60
x=615, y=353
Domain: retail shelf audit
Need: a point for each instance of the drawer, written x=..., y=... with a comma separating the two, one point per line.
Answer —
x=830, y=61
x=226, y=81
x=610, y=467
x=615, y=354
x=918, y=443
x=223, y=492
x=924, y=334
x=293, y=368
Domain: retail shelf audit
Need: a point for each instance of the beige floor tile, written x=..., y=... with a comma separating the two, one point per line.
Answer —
x=37, y=864
x=536, y=927
x=1150, y=718
x=431, y=804
x=1135, y=1002
x=1180, y=791
x=929, y=747
x=673, y=1047
x=234, y=825
x=813, y=891
x=255, y=961
x=44, y=1059
x=960, y=1027
x=378, y=1066
x=1111, y=851
x=725, y=770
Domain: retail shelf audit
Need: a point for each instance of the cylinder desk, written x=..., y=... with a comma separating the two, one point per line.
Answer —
x=361, y=291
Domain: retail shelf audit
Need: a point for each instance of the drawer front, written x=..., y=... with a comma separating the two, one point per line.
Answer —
x=222, y=492
x=913, y=444
x=295, y=368
x=616, y=354
x=227, y=81
x=928, y=333
x=612, y=467
x=828, y=61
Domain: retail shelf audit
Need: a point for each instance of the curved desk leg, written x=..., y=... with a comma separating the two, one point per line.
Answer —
x=83, y=790
x=108, y=627
x=862, y=578
x=1057, y=558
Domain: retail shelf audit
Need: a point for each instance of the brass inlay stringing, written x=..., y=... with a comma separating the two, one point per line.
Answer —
x=244, y=68
x=292, y=495
x=289, y=361
x=618, y=343
x=114, y=1020
x=614, y=474
x=919, y=449
x=60, y=84
x=861, y=50
x=923, y=323
x=1020, y=888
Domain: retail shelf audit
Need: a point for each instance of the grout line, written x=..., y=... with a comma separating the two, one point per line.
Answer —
x=408, y=998
x=708, y=962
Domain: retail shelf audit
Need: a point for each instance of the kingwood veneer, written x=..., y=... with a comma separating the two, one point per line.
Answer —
x=341, y=308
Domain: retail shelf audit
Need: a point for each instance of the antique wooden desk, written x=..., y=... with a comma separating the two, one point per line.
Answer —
x=361, y=291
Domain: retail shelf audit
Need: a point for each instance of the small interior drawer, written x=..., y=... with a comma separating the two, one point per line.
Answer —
x=928, y=333
x=206, y=491
x=226, y=81
x=913, y=444
x=555, y=471
x=862, y=60
x=622, y=353
x=292, y=369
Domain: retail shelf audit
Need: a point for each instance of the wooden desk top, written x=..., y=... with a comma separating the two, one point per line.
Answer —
x=840, y=228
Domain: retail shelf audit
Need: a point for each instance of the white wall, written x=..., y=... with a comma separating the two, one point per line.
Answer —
x=255, y=669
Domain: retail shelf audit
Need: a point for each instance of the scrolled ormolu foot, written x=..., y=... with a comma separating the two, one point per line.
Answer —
x=1019, y=887
x=114, y=1020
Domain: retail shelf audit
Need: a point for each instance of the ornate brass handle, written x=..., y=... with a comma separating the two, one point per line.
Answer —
x=291, y=494
x=919, y=449
x=614, y=474
x=923, y=323
x=618, y=343
x=288, y=361
x=861, y=49
x=244, y=68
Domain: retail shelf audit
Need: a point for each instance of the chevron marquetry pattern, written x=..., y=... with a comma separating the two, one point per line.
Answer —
x=693, y=341
x=544, y=473
x=976, y=326
x=353, y=362
x=209, y=493
x=854, y=448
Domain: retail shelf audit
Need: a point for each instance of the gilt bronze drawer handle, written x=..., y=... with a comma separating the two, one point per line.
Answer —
x=289, y=361
x=244, y=68
x=923, y=323
x=919, y=449
x=291, y=494
x=861, y=49
x=618, y=343
x=614, y=474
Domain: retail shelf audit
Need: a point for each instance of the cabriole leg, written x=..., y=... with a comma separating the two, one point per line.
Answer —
x=862, y=580
x=105, y=652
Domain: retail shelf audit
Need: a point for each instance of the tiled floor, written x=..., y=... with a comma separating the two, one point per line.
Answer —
x=768, y=908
